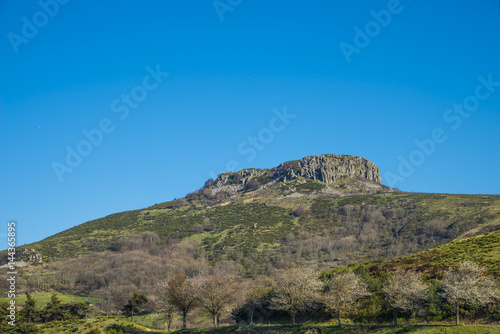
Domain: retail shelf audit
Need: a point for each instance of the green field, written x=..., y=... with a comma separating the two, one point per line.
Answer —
x=42, y=298
x=102, y=323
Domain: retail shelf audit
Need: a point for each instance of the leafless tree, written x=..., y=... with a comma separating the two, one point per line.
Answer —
x=405, y=291
x=179, y=203
x=166, y=310
x=254, y=299
x=104, y=300
x=295, y=291
x=180, y=292
x=469, y=285
x=218, y=293
x=343, y=290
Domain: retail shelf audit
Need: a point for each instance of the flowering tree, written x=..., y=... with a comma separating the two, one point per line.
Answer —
x=405, y=291
x=343, y=290
x=468, y=285
x=295, y=291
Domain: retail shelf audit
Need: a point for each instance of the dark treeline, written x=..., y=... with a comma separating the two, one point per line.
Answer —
x=32, y=313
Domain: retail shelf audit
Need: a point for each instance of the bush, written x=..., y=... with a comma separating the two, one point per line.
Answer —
x=299, y=212
x=253, y=184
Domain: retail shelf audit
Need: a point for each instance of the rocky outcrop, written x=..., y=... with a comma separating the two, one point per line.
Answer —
x=327, y=168
x=331, y=168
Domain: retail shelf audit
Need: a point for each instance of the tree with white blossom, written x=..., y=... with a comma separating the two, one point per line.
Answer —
x=405, y=291
x=343, y=290
x=468, y=285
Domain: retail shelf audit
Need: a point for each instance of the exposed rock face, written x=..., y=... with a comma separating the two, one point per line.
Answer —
x=327, y=168
x=331, y=167
x=235, y=181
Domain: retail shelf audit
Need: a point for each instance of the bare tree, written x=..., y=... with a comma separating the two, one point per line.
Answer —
x=469, y=285
x=255, y=297
x=295, y=291
x=180, y=292
x=405, y=291
x=218, y=293
x=343, y=290
x=166, y=310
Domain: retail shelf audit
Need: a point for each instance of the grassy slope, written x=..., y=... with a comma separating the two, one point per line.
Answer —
x=232, y=232
x=43, y=298
x=483, y=249
x=102, y=323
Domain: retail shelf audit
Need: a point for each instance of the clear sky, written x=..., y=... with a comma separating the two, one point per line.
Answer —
x=92, y=124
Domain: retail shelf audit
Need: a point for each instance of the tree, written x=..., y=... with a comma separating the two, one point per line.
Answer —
x=180, y=292
x=254, y=299
x=54, y=310
x=343, y=290
x=167, y=312
x=78, y=309
x=30, y=312
x=295, y=291
x=26, y=328
x=104, y=300
x=468, y=285
x=405, y=291
x=134, y=303
x=218, y=293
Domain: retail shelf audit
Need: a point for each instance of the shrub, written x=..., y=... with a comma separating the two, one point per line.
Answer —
x=299, y=212
x=253, y=184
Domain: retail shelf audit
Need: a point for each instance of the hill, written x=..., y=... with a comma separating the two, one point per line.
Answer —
x=321, y=211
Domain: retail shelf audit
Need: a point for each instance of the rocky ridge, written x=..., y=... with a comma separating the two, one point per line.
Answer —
x=326, y=168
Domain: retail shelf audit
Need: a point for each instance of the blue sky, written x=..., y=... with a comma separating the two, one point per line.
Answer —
x=68, y=67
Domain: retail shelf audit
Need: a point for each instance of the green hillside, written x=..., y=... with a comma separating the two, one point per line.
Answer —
x=301, y=221
x=483, y=249
x=254, y=222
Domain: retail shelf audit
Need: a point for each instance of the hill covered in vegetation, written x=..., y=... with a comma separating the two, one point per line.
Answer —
x=330, y=209
x=483, y=249
x=318, y=212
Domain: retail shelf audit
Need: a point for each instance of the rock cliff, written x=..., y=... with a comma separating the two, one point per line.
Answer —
x=327, y=168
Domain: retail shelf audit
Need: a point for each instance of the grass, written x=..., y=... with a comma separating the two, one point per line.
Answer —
x=103, y=324
x=333, y=329
x=43, y=298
